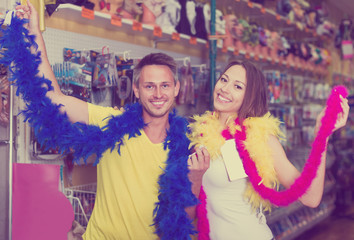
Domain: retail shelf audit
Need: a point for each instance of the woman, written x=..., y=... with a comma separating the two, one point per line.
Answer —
x=235, y=194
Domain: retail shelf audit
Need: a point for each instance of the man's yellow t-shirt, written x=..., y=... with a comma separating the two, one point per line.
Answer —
x=127, y=187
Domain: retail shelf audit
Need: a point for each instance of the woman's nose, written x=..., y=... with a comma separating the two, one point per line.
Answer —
x=225, y=87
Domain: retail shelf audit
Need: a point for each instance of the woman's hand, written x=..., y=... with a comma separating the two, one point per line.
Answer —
x=198, y=163
x=341, y=119
x=343, y=116
x=29, y=12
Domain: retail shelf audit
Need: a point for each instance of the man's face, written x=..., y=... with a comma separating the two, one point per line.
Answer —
x=156, y=91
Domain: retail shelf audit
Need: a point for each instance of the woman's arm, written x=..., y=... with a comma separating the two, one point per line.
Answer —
x=287, y=173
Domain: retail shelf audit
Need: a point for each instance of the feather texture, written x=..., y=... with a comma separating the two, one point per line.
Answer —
x=303, y=182
x=251, y=143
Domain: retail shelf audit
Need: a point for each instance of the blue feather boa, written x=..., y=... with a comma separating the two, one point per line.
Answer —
x=53, y=129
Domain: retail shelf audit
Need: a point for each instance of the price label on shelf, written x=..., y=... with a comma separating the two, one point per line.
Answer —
x=247, y=55
x=256, y=57
x=250, y=4
x=87, y=13
x=137, y=26
x=263, y=10
x=116, y=20
x=277, y=17
x=157, y=31
x=193, y=40
x=224, y=49
x=236, y=52
x=175, y=36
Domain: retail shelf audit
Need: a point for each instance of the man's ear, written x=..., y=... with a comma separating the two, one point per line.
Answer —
x=136, y=90
x=177, y=87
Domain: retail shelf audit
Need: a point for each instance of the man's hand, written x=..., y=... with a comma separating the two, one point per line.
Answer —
x=30, y=13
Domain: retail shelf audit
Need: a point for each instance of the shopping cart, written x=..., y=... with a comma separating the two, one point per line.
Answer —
x=82, y=198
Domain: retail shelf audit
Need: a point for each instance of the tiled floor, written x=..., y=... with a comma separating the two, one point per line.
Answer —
x=335, y=227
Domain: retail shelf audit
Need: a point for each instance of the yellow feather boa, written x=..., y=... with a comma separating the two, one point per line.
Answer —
x=206, y=130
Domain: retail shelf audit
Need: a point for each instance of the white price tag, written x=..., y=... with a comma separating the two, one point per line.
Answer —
x=232, y=160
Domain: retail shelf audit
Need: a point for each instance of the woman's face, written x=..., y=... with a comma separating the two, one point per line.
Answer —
x=230, y=90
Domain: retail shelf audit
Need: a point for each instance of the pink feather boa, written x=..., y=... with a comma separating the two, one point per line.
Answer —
x=301, y=184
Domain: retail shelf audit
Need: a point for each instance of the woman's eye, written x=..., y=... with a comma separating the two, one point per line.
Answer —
x=238, y=87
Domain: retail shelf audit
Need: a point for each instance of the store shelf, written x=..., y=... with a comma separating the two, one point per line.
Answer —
x=279, y=213
x=279, y=63
x=301, y=228
x=132, y=28
x=128, y=26
x=265, y=17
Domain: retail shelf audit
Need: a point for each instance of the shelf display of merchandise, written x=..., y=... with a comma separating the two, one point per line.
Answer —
x=343, y=170
x=88, y=75
x=5, y=94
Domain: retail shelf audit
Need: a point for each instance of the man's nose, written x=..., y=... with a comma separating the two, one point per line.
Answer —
x=157, y=92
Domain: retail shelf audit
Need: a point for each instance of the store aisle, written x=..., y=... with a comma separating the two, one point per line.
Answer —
x=335, y=227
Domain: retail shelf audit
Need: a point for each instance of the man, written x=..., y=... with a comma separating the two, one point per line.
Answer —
x=142, y=152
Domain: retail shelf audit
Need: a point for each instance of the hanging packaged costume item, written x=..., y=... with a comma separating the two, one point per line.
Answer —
x=52, y=5
x=201, y=88
x=200, y=22
x=4, y=97
x=184, y=25
x=186, y=94
x=108, y=6
x=152, y=9
x=346, y=41
x=105, y=71
x=77, y=72
x=54, y=129
x=123, y=92
x=231, y=30
x=131, y=9
x=170, y=16
x=274, y=85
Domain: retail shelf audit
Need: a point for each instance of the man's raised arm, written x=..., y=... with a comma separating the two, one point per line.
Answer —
x=76, y=109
